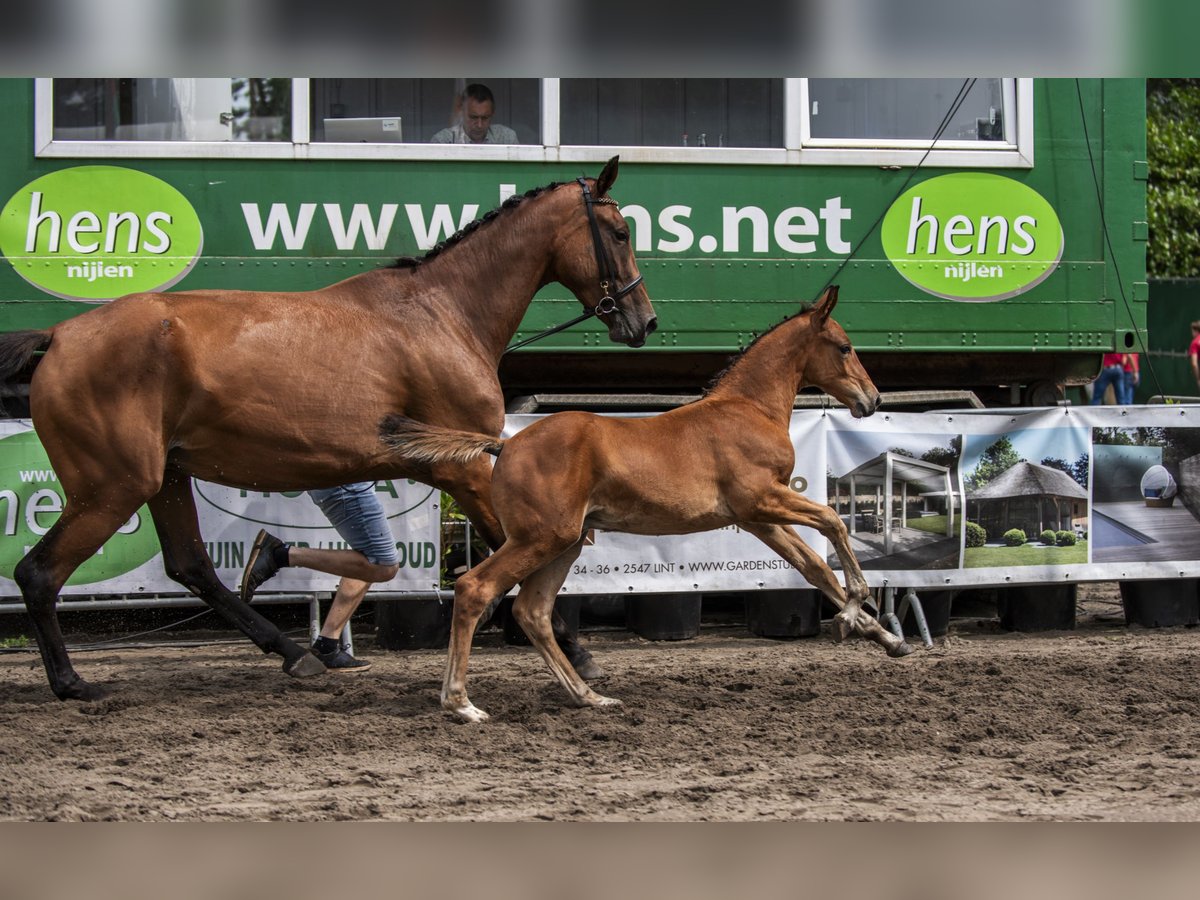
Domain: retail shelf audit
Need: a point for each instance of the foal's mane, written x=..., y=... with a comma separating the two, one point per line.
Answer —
x=411, y=262
x=805, y=308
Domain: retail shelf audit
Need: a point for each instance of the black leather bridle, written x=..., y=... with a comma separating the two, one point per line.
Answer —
x=604, y=267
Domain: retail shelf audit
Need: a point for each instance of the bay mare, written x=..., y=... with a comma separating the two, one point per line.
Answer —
x=575, y=471
x=273, y=391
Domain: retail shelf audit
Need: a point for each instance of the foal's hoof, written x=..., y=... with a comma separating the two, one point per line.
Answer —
x=305, y=666
x=902, y=649
x=83, y=690
x=609, y=702
x=469, y=713
x=841, y=629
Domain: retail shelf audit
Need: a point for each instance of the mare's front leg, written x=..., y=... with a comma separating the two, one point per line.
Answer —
x=187, y=561
x=471, y=487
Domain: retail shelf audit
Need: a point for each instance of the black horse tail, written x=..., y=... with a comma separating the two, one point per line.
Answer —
x=433, y=443
x=17, y=349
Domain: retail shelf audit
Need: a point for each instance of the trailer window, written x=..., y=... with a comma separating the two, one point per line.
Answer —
x=672, y=112
x=423, y=110
x=172, y=109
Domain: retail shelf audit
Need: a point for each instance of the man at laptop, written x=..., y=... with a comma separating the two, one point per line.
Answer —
x=474, y=125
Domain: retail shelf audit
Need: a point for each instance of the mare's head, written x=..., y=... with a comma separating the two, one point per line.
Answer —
x=831, y=363
x=595, y=260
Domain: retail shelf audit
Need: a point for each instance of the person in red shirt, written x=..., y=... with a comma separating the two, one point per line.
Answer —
x=1112, y=371
x=1131, y=377
x=1194, y=352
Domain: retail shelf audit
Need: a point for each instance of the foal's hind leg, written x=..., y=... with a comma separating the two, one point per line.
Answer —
x=494, y=577
x=187, y=561
x=784, y=541
x=80, y=531
x=532, y=610
x=471, y=487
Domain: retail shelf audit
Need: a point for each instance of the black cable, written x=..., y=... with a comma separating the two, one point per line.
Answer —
x=1087, y=142
x=963, y=90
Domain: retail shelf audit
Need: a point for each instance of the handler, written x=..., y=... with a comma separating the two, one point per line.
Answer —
x=358, y=516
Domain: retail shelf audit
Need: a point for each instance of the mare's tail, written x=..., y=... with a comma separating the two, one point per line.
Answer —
x=17, y=349
x=434, y=444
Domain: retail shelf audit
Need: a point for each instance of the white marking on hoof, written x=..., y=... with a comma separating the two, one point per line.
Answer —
x=469, y=713
x=606, y=701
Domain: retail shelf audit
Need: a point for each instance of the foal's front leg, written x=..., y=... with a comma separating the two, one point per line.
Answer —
x=782, y=505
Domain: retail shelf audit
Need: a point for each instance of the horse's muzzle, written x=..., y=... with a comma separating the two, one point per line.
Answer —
x=866, y=406
x=629, y=337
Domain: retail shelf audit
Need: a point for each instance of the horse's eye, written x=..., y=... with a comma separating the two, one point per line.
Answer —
x=621, y=236
x=845, y=348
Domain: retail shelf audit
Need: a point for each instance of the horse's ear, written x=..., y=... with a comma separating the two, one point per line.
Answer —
x=825, y=307
x=608, y=177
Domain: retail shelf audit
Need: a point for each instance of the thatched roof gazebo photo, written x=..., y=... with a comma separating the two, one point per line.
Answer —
x=1031, y=497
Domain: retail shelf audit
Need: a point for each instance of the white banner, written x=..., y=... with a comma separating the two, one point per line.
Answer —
x=943, y=499
x=963, y=498
x=131, y=562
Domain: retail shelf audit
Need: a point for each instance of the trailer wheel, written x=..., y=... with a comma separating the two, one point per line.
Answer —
x=1043, y=393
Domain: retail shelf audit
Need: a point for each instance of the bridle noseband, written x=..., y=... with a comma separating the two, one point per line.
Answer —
x=604, y=267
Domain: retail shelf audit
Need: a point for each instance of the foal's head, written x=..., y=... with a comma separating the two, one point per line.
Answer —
x=831, y=363
x=596, y=262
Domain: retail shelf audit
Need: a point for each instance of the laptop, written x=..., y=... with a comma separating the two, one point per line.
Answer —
x=364, y=131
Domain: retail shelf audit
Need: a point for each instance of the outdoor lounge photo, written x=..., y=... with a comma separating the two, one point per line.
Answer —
x=1025, y=513
x=899, y=498
x=1146, y=494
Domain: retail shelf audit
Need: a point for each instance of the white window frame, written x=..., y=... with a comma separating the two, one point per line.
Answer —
x=799, y=147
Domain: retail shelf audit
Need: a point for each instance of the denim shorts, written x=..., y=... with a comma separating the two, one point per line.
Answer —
x=358, y=516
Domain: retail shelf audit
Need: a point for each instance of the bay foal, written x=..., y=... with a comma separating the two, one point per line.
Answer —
x=574, y=471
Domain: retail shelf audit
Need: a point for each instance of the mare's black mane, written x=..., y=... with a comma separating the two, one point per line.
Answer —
x=411, y=262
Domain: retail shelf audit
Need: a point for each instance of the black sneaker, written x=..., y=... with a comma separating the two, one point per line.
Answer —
x=338, y=660
x=261, y=564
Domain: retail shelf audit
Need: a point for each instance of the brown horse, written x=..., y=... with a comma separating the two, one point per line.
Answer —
x=575, y=471
x=276, y=391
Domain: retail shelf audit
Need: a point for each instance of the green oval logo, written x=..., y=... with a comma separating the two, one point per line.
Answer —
x=972, y=236
x=31, y=500
x=100, y=232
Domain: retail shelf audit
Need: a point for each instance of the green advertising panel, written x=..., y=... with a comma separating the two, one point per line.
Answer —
x=99, y=232
x=973, y=236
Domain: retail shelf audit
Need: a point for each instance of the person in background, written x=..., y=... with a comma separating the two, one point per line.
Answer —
x=1112, y=371
x=1194, y=353
x=474, y=125
x=358, y=516
x=1130, y=377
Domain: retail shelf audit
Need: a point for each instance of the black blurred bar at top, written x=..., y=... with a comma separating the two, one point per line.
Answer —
x=599, y=38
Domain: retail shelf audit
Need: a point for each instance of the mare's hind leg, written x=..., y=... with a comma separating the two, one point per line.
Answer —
x=80, y=531
x=532, y=610
x=471, y=487
x=784, y=541
x=187, y=561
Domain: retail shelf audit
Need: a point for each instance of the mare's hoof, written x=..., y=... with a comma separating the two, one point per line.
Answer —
x=589, y=669
x=83, y=690
x=305, y=667
x=902, y=649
